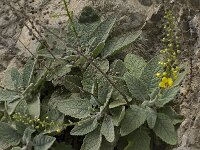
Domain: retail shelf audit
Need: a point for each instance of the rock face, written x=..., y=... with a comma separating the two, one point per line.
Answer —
x=15, y=39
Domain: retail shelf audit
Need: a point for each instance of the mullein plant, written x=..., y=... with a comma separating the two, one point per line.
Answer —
x=170, y=51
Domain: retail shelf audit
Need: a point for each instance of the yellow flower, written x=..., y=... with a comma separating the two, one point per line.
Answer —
x=166, y=82
x=158, y=74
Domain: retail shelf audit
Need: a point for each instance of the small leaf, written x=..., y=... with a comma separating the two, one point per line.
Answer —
x=148, y=75
x=117, y=115
x=74, y=106
x=136, y=87
x=107, y=129
x=85, y=127
x=134, y=118
x=117, y=103
x=138, y=140
x=34, y=105
x=27, y=135
x=7, y=95
x=98, y=49
x=118, y=68
x=28, y=72
x=164, y=129
x=43, y=142
x=167, y=96
x=8, y=136
x=117, y=44
x=104, y=90
x=16, y=78
x=151, y=117
x=92, y=141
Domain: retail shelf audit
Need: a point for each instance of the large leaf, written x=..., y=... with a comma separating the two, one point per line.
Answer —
x=136, y=87
x=107, y=128
x=135, y=64
x=117, y=115
x=117, y=44
x=164, y=129
x=101, y=33
x=8, y=136
x=85, y=127
x=75, y=106
x=134, y=118
x=43, y=142
x=167, y=96
x=148, y=75
x=138, y=140
x=92, y=141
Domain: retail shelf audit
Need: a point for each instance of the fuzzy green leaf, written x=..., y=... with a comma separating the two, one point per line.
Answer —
x=102, y=31
x=176, y=118
x=28, y=72
x=8, y=136
x=34, y=105
x=92, y=141
x=117, y=115
x=134, y=64
x=118, y=68
x=134, y=118
x=27, y=135
x=164, y=129
x=167, y=96
x=74, y=106
x=104, y=90
x=16, y=78
x=107, y=129
x=117, y=44
x=151, y=117
x=136, y=87
x=138, y=140
x=43, y=142
x=7, y=95
x=148, y=75
x=92, y=74
x=85, y=127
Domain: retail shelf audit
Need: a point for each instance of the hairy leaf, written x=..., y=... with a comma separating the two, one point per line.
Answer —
x=75, y=106
x=148, y=75
x=117, y=115
x=7, y=95
x=136, y=87
x=117, y=44
x=176, y=118
x=107, y=129
x=164, y=129
x=134, y=118
x=28, y=72
x=85, y=127
x=92, y=141
x=43, y=142
x=27, y=135
x=167, y=96
x=138, y=140
x=16, y=78
x=151, y=117
x=102, y=31
x=8, y=136
x=118, y=68
x=34, y=105
x=134, y=64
